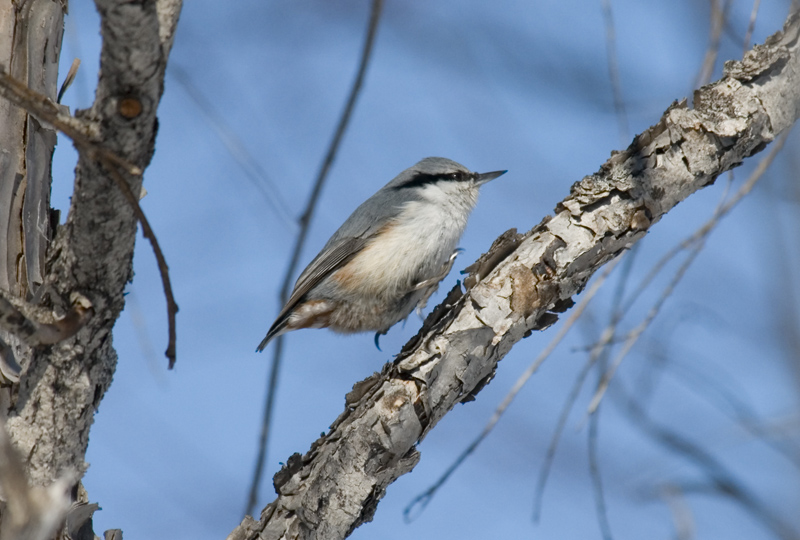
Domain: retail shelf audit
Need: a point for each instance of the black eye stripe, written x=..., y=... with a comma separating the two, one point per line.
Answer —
x=423, y=179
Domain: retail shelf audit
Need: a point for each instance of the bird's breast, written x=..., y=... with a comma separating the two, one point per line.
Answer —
x=410, y=248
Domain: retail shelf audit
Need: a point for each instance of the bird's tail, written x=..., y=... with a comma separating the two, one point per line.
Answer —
x=277, y=328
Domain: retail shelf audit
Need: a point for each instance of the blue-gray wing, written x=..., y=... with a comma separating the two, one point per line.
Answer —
x=354, y=234
x=358, y=230
x=329, y=259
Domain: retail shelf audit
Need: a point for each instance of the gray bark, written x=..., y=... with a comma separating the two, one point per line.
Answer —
x=515, y=288
x=92, y=252
x=50, y=411
x=30, y=46
x=520, y=284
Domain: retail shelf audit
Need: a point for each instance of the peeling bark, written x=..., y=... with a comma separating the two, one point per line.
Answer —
x=520, y=285
x=50, y=411
x=92, y=253
x=30, y=46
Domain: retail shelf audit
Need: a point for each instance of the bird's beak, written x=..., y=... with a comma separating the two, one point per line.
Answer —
x=482, y=178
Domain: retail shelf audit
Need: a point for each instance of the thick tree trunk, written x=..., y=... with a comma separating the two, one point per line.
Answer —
x=50, y=411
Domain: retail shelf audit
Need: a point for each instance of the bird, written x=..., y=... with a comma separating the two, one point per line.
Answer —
x=389, y=256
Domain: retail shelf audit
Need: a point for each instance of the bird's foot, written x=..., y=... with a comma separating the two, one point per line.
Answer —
x=431, y=284
x=377, y=338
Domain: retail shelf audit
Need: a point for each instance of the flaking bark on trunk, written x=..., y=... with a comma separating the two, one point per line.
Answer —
x=49, y=412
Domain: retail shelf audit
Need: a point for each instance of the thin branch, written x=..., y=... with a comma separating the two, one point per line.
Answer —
x=634, y=335
x=305, y=222
x=41, y=107
x=421, y=501
x=596, y=352
x=147, y=230
x=597, y=481
x=718, y=18
x=698, y=239
x=236, y=148
x=751, y=26
x=44, y=109
x=601, y=356
x=549, y=457
x=613, y=72
x=720, y=480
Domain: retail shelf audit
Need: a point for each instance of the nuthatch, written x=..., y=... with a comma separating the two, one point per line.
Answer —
x=390, y=254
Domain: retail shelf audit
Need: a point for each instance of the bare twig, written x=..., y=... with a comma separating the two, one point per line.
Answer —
x=172, y=307
x=421, y=501
x=45, y=110
x=597, y=481
x=236, y=148
x=697, y=240
x=41, y=107
x=634, y=335
x=720, y=480
x=613, y=72
x=596, y=352
x=751, y=26
x=719, y=14
x=547, y=463
x=305, y=222
x=599, y=356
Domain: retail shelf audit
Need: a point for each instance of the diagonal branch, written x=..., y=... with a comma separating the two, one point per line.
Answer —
x=81, y=132
x=336, y=486
x=41, y=107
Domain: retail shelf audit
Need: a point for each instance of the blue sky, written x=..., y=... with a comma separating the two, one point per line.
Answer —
x=510, y=85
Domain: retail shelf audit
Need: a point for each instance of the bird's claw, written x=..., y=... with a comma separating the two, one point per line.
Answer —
x=433, y=283
x=377, y=338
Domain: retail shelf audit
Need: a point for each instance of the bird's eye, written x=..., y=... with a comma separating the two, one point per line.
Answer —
x=454, y=176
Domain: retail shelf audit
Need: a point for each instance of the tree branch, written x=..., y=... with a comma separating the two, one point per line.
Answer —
x=512, y=291
x=61, y=386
